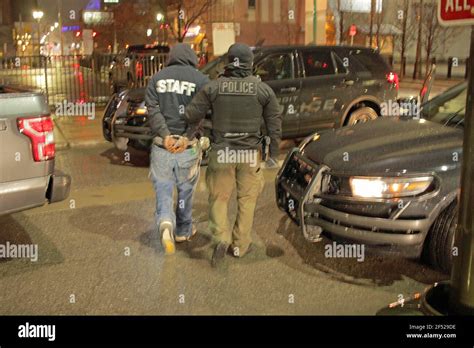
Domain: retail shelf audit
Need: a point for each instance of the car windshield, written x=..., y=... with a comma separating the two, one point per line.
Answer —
x=447, y=108
x=215, y=67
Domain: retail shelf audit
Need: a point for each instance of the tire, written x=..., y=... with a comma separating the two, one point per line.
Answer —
x=440, y=241
x=361, y=115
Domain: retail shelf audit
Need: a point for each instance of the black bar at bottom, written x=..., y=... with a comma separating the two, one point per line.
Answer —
x=141, y=330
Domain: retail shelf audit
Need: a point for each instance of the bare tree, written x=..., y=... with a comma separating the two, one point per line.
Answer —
x=372, y=15
x=407, y=25
x=341, y=22
x=432, y=32
x=131, y=21
x=417, y=68
x=187, y=13
x=379, y=19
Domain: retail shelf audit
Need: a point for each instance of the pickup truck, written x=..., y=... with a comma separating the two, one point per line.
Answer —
x=28, y=178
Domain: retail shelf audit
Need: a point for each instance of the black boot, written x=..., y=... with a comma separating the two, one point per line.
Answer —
x=219, y=254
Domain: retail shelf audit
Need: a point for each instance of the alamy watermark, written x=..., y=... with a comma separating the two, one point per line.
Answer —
x=75, y=109
x=410, y=108
x=19, y=251
x=237, y=156
x=28, y=330
x=345, y=251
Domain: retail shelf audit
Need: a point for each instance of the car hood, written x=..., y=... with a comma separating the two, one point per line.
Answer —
x=137, y=93
x=388, y=145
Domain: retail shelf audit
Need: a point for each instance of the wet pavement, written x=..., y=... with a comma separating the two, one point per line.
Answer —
x=99, y=254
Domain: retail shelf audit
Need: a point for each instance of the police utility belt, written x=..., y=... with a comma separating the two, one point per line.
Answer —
x=158, y=141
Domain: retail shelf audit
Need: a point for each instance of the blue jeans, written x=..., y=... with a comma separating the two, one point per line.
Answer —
x=175, y=170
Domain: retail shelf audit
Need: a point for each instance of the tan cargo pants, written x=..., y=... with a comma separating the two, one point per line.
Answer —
x=221, y=178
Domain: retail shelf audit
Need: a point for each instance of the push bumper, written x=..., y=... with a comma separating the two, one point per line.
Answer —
x=301, y=202
x=387, y=236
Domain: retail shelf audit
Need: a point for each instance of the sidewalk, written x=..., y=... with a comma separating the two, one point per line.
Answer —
x=410, y=87
x=75, y=131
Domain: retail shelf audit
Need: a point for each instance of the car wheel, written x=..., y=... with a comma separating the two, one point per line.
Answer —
x=361, y=115
x=440, y=240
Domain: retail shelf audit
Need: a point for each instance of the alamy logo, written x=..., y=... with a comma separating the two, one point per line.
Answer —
x=37, y=331
x=19, y=251
x=234, y=156
x=408, y=109
x=354, y=251
x=75, y=109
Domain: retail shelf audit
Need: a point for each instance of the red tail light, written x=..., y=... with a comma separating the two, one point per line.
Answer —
x=139, y=69
x=393, y=79
x=40, y=132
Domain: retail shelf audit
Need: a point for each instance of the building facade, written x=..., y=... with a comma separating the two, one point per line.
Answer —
x=6, y=28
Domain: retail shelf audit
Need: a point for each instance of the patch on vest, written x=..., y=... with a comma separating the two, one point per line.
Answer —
x=238, y=88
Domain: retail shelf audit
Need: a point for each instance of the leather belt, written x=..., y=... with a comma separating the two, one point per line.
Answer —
x=158, y=141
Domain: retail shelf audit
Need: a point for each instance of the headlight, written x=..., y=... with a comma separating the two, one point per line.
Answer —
x=377, y=187
x=308, y=140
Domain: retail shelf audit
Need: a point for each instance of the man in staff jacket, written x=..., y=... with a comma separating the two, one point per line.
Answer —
x=174, y=160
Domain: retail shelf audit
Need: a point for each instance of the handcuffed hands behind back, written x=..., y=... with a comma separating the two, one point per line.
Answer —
x=175, y=143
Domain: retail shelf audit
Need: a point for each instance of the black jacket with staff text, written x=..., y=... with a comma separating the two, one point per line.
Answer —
x=171, y=90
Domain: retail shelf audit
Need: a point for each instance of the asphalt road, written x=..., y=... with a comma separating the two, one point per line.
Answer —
x=99, y=254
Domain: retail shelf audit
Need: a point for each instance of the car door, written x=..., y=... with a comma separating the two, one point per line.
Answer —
x=279, y=71
x=325, y=87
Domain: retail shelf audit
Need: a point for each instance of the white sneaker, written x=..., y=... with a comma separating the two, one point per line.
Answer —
x=167, y=238
x=181, y=239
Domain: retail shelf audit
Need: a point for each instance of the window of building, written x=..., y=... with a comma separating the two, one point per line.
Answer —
x=276, y=11
x=318, y=63
x=264, y=9
x=251, y=10
x=292, y=11
x=275, y=67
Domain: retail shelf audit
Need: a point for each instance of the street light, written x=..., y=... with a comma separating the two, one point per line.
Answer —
x=37, y=15
x=160, y=18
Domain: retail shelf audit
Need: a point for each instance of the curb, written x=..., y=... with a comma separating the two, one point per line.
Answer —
x=62, y=143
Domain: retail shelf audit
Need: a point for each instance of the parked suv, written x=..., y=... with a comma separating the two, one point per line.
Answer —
x=391, y=185
x=319, y=87
x=27, y=175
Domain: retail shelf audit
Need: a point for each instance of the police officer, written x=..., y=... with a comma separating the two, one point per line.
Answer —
x=238, y=102
x=174, y=161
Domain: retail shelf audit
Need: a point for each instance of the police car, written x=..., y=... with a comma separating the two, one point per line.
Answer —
x=319, y=87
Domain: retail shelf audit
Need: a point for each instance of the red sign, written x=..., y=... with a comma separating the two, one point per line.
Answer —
x=352, y=30
x=456, y=12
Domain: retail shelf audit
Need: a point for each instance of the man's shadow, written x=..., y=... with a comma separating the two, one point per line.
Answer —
x=131, y=157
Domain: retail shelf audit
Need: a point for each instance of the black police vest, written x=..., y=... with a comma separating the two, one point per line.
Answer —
x=236, y=109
